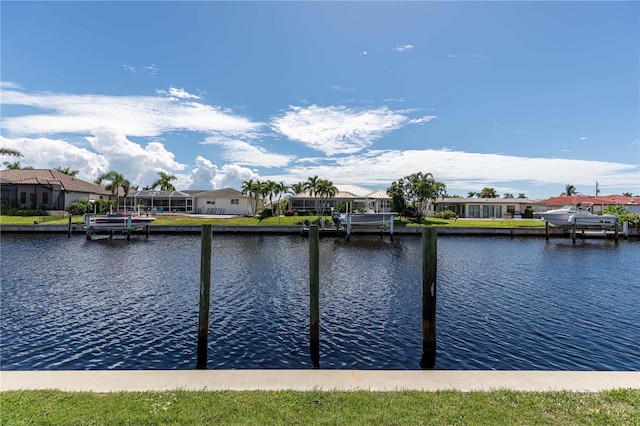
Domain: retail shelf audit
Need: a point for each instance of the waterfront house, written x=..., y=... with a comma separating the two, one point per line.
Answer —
x=46, y=189
x=488, y=208
x=221, y=201
x=358, y=197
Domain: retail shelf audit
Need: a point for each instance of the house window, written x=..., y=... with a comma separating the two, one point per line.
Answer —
x=474, y=211
x=211, y=201
x=235, y=201
x=45, y=198
x=23, y=198
x=487, y=211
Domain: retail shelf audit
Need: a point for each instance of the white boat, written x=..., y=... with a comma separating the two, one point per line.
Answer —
x=577, y=214
x=118, y=221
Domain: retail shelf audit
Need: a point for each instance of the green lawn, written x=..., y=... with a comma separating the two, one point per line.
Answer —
x=164, y=219
x=619, y=407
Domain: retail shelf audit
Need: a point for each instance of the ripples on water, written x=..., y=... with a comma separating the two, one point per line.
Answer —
x=503, y=303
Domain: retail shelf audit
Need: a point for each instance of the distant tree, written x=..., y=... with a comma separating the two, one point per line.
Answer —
x=471, y=194
x=116, y=181
x=522, y=195
x=254, y=190
x=11, y=152
x=398, y=199
x=507, y=195
x=488, y=193
x=569, y=190
x=416, y=190
x=16, y=166
x=297, y=188
x=270, y=188
x=67, y=171
x=164, y=182
x=627, y=194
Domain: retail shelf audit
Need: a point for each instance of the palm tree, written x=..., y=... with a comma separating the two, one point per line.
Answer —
x=311, y=185
x=281, y=189
x=569, y=190
x=164, y=182
x=116, y=181
x=471, y=194
x=297, y=188
x=16, y=166
x=325, y=189
x=67, y=171
x=488, y=192
x=254, y=190
x=269, y=189
x=11, y=152
x=507, y=195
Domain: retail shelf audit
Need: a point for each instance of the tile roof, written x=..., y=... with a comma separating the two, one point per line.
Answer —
x=51, y=177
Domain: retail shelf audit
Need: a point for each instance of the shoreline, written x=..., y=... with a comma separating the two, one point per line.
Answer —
x=78, y=229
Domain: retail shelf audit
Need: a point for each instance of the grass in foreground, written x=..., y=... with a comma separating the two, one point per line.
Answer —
x=620, y=407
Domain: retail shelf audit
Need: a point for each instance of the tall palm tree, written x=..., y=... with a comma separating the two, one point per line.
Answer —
x=296, y=188
x=270, y=188
x=164, y=182
x=116, y=181
x=281, y=189
x=311, y=185
x=67, y=171
x=11, y=152
x=325, y=189
x=254, y=190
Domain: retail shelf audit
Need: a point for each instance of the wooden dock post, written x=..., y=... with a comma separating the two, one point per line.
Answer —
x=87, y=225
x=615, y=228
x=429, y=272
x=205, y=290
x=546, y=231
x=69, y=230
x=314, y=295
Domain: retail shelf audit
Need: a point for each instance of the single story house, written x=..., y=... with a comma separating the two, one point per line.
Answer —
x=599, y=203
x=357, y=197
x=46, y=189
x=221, y=201
x=486, y=208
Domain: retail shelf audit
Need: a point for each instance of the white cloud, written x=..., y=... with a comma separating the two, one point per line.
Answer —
x=464, y=171
x=338, y=129
x=176, y=92
x=130, y=115
x=44, y=153
x=232, y=176
x=403, y=48
x=138, y=164
x=422, y=120
x=202, y=177
x=240, y=152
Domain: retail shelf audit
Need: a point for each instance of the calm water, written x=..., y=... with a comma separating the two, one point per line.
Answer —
x=503, y=303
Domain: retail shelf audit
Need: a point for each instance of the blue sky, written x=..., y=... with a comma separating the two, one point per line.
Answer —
x=524, y=97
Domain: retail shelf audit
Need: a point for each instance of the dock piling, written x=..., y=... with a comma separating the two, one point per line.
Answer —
x=314, y=295
x=205, y=290
x=429, y=272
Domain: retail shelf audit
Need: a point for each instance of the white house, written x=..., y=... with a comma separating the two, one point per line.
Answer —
x=220, y=201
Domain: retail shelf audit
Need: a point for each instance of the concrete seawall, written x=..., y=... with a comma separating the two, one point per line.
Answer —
x=287, y=229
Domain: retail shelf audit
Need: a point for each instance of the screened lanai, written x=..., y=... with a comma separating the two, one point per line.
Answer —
x=160, y=201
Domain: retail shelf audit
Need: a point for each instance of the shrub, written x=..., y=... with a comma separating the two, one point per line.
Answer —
x=447, y=214
x=80, y=206
x=289, y=213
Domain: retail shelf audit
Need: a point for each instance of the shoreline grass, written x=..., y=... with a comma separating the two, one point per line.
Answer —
x=504, y=407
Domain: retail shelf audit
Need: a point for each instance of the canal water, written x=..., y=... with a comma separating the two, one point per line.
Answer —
x=502, y=303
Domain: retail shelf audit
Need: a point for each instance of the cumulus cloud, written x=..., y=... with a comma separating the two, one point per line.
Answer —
x=202, y=177
x=130, y=115
x=232, y=176
x=140, y=164
x=338, y=129
x=44, y=153
x=240, y=152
